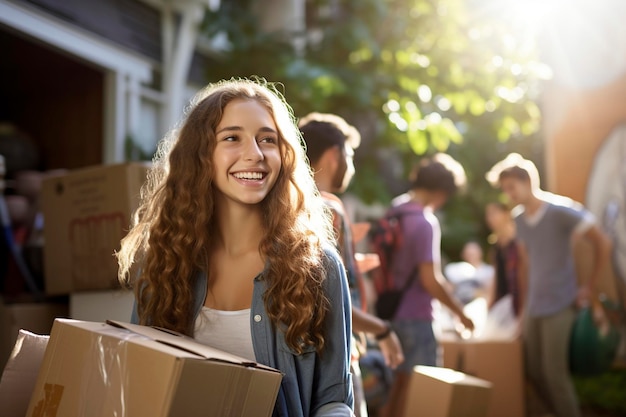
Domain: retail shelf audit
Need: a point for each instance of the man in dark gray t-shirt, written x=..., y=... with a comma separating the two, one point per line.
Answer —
x=546, y=224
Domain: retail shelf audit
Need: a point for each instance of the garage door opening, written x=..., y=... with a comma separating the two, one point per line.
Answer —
x=55, y=100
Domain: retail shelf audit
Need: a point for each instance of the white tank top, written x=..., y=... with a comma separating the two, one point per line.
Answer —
x=225, y=330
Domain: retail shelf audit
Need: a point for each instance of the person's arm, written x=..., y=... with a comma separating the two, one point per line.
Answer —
x=432, y=280
x=490, y=290
x=522, y=283
x=522, y=275
x=602, y=250
x=332, y=393
x=387, y=339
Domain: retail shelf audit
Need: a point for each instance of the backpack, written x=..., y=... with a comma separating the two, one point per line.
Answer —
x=386, y=237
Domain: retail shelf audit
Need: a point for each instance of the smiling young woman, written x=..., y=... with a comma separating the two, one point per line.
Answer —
x=234, y=246
x=247, y=154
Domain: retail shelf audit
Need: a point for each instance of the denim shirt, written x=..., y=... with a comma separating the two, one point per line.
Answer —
x=313, y=384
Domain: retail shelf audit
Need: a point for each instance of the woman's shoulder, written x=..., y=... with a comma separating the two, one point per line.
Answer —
x=330, y=254
x=335, y=281
x=333, y=265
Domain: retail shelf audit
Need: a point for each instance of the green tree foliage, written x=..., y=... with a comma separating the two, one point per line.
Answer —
x=415, y=76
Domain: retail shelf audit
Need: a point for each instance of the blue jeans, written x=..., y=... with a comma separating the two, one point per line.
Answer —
x=418, y=343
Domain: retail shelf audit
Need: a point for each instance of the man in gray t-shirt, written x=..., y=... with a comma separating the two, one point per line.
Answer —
x=546, y=224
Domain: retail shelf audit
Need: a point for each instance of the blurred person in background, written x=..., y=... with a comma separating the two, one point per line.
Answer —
x=545, y=226
x=435, y=180
x=504, y=255
x=472, y=276
x=330, y=143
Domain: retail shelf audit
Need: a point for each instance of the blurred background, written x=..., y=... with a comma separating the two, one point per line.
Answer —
x=90, y=82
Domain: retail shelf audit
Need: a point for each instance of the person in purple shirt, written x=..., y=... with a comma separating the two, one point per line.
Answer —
x=435, y=180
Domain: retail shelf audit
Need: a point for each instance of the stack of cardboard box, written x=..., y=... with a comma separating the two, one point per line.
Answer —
x=497, y=361
x=494, y=352
x=86, y=212
x=95, y=362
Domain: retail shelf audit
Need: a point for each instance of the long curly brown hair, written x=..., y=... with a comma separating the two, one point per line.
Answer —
x=170, y=239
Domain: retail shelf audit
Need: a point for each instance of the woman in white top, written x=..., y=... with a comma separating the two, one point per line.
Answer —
x=234, y=246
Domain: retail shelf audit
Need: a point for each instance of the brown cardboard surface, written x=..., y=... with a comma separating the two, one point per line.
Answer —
x=443, y=392
x=499, y=362
x=87, y=212
x=111, y=370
